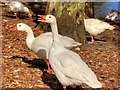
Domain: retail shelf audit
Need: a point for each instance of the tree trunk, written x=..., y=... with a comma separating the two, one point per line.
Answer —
x=67, y=14
x=89, y=9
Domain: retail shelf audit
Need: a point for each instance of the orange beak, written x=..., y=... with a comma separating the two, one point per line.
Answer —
x=42, y=18
x=14, y=28
x=30, y=16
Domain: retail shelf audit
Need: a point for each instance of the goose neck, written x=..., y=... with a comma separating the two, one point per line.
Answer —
x=54, y=30
x=30, y=37
x=29, y=33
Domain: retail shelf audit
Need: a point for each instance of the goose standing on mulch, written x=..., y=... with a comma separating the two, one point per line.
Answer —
x=95, y=27
x=15, y=7
x=112, y=15
x=41, y=44
x=68, y=66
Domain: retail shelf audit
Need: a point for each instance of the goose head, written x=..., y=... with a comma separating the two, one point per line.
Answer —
x=47, y=18
x=112, y=15
x=20, y=27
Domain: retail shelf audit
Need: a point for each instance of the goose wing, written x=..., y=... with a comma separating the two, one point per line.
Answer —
x=72, y=66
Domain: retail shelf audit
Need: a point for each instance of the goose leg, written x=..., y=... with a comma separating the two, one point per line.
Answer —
x=49, y=70
x=64, y=87
x=16, y=16
x=74, y=87
x=42, y=53
x=92, y=40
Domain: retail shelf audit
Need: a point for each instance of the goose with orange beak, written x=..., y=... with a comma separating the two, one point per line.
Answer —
x=68, y=66
x=15, y=7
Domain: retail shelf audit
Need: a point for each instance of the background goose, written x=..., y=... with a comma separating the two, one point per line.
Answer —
x=68, y=66
x=95, y=27
x=16, y=7
x=112, y=15
x=41, y=44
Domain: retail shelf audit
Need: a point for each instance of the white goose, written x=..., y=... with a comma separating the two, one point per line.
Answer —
x=41, y=44
x=16, y=7
x=112, y=15
x=95, y=27
x=68, y=66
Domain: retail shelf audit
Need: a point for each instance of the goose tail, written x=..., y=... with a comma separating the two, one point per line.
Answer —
x=69, y=42
x=111, y=27
x=95, y=84
x=74, y=44
x=107, y=17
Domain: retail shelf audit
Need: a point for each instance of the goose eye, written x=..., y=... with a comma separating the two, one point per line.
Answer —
x=19, y=25
x=49, y=16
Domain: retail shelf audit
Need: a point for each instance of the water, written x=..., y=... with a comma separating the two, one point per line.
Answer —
x=102, y=8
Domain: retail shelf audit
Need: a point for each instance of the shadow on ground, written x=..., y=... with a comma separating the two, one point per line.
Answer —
x=49, y=79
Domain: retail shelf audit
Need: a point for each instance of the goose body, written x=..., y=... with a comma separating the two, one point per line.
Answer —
x=41, y=44
x=68, y=66
x=95, y=27
x=112, y=15
x=46, y=41
x=16, y=7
